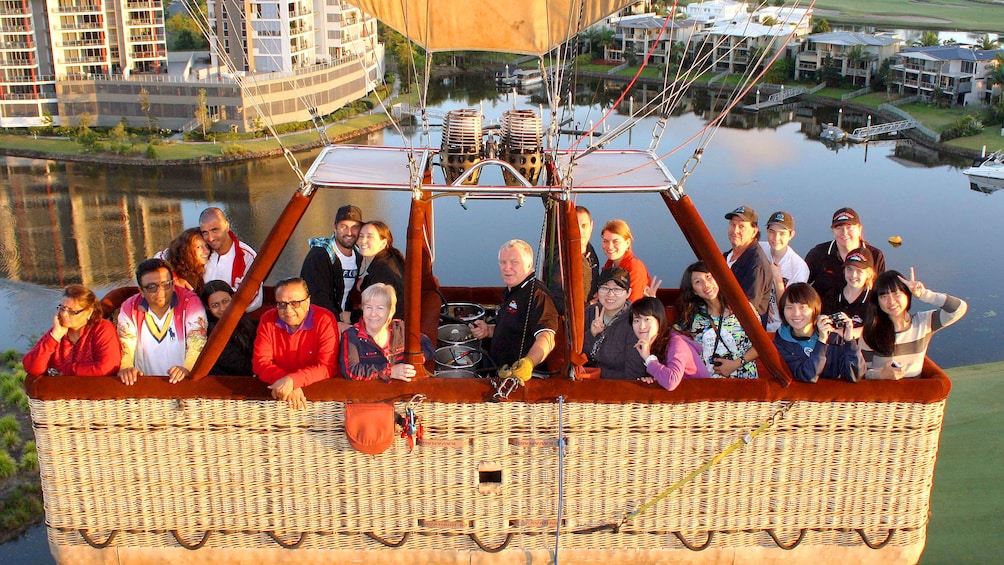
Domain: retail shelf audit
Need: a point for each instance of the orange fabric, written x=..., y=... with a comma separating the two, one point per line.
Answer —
x=933, y=388
x=369, y=426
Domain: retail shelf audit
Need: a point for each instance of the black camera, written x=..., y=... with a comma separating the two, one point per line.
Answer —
x=839, y=320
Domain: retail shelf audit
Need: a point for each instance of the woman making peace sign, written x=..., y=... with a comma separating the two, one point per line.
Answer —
x=894, y=343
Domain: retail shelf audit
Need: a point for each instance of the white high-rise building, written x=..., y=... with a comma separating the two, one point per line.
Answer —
x=263, y=36
x=45, y=41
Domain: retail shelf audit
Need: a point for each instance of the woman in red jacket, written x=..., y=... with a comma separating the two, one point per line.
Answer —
x=81, y=342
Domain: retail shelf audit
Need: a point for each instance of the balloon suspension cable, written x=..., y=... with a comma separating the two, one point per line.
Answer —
x=706, y=133
x=201, y=20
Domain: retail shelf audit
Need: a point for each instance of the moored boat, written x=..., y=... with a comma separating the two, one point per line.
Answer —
x=987, y=174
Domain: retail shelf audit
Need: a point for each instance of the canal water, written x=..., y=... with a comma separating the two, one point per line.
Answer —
x=68, y=223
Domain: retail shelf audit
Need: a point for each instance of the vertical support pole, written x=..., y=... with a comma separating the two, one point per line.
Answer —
x=416, y=261
x=268, y=254
x=706, y=249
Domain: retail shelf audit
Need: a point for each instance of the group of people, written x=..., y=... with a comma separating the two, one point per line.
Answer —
x=184, y=291
x=837, y=314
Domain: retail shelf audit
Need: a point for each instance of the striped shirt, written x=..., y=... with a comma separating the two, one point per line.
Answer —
x=911, y=344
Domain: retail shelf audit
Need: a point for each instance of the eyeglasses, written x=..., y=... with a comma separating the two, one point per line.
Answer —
x=616, y=291
x=63, y=309
x=152, y=287
x=295, y=304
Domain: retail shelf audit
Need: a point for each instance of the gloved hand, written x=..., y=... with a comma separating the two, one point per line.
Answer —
x=522, y=369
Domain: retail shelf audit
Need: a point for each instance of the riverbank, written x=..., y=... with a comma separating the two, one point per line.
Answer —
x=189, y=154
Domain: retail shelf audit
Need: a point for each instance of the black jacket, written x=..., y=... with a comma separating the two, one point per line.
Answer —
x=325, y=278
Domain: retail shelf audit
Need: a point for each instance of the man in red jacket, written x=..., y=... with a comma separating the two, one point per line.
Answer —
x=296, y=345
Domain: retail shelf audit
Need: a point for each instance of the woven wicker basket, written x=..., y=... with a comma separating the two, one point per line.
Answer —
x=250, y=479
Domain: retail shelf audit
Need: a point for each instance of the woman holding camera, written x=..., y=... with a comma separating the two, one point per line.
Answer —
x=852, y=298
x=816, y=346
x=726, y=349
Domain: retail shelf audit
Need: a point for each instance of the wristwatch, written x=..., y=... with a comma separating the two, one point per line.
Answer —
x=742, y=359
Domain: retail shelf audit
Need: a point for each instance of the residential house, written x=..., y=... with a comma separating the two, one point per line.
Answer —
x=737, y=45
x=713, y=12
x=638, y=34
x=949, y=72
x=798, y=19
x=857, y=56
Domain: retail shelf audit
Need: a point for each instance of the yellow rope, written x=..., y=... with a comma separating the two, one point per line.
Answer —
x=746, y=439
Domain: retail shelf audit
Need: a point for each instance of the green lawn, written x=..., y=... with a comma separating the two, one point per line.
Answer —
x=991, y=138
x=965, y=15
x=173, y=151
x=967, y=507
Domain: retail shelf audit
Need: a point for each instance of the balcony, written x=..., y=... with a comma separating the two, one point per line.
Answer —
x=82, y=43
x=79, y=9
x=82, y=60
x=141, y=4
x=16, y=45
x=18, y=61
x=8, y=11
x=149, y=54
x=81, y=26
x=146, y=37
x=145, y=21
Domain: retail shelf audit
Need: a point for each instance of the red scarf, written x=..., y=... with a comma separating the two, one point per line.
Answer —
x=239, y=264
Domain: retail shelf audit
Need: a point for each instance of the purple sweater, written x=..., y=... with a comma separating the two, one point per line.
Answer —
x=683, y=360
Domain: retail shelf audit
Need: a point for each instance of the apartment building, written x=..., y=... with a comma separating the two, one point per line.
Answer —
x=951, y=73
x=43, y=42
x=858, y=56
x=640, y=33
x=67, y=58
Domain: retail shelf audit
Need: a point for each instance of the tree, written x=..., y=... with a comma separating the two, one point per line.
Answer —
x=145, y=107
x=185, y=32
x=599, y=39
x=769, y=21
x=829, y=72
x=821, y=26
x=995, y=78
x=987, y=44
x=929, y=39
x=202, y=112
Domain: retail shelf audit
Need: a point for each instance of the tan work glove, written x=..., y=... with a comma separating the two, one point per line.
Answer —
x=521, y=370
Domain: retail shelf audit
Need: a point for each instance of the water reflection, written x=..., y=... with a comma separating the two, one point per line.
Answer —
x=67, y=222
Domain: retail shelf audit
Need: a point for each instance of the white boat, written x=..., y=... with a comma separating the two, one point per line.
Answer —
x=520, y=78
x=987, y=175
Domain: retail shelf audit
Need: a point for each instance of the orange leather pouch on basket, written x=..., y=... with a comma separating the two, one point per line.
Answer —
x=369, y=426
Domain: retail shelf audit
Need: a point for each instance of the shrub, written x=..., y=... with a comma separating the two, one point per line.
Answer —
x=151, y=152
x=9, y=439
x=9, y=424
x=965, y=126
x=29, y=457
x=8, y=467
x=235, y=149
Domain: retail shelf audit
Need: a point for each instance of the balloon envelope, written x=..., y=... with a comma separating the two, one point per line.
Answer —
x=531, y=27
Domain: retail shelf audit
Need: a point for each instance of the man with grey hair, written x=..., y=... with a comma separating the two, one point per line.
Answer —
x=523, y=334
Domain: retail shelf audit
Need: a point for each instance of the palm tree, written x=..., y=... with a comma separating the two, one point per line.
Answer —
x=995, y=77
x=929, y=39
x=987, y=44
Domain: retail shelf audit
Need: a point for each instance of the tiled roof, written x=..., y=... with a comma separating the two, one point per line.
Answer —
x=951, y=53
x=851, y=38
